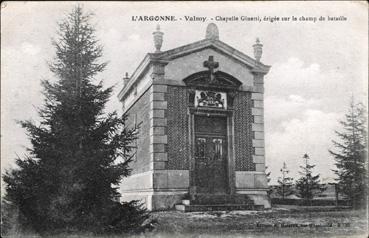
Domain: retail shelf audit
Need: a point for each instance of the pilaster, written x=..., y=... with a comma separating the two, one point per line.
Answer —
x=257, y=112
x=158, y=127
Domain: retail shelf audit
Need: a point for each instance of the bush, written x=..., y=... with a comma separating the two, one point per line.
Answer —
x=317, y=202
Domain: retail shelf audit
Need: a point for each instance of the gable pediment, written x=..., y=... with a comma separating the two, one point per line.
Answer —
x=218, y=46
x=188, y=60
x=219, y=80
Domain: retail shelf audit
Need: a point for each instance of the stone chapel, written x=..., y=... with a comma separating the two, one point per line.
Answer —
x=201, y=135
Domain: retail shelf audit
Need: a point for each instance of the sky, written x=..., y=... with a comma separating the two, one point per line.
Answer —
x=316, y=66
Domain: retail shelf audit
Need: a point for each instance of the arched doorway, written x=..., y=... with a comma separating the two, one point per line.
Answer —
x=211, y=132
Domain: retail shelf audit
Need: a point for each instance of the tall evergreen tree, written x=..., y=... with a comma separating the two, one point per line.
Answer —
x=351, y=156
x=308, y=186
x=285, y=183
x=79, y=154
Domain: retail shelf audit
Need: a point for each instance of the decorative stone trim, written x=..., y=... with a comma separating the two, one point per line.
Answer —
x=258, y=143
x=156, y=88
x=159, y=105
x=157, y=96
x=258, y=159
x=160, y=156
x=258, y=119
x=259, y=151
x=257, y=111
x=257, y=96
x=157, y=148
x=257, y=127
x=259, y=103
x=258, y=78
x=173, y=82
x=157, y=165
x=260, y=167
x=258, y=135
x=158, y=67
x=258, y=131
x=259, y=88
x=159, y=139
x=158, y=123
x=157, y=113
x=157, y=130
x=155, y=122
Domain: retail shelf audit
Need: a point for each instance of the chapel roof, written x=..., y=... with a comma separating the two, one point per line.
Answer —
x=211, y=41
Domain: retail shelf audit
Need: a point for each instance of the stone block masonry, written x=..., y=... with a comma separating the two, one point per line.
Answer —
x=258, y=143
x=158, y=127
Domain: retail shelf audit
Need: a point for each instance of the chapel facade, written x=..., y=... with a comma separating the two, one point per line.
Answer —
x=201, y=134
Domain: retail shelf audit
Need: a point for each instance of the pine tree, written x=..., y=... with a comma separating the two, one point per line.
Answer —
x=308, y=186
x=285, y=183
x=79, y=154
x=351, y=156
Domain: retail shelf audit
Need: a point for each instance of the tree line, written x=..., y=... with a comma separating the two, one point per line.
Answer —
x=306, y=187
x=351, y=163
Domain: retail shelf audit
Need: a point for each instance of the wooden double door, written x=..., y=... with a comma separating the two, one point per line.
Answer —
x=211, y=155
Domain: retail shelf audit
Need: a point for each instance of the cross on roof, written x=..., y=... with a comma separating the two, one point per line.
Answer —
x=211, y=65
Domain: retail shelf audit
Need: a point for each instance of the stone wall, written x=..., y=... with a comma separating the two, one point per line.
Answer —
x=158, y=127
x=139, y=113
x=258, y=124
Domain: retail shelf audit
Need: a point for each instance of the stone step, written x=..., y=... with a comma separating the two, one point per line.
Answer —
x=217, y=207
x=186, y=202
x=204, y=199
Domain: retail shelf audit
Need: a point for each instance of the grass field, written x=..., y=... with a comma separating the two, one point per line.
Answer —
x=282, y=221
x=277, y=222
